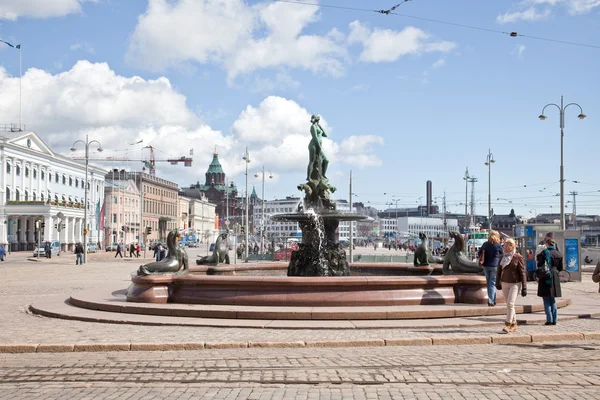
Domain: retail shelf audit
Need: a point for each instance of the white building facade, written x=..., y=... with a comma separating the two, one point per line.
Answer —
x=343, y=230
x=278, y=230
x=41, y=188
x=202, y=216
x=405, y=227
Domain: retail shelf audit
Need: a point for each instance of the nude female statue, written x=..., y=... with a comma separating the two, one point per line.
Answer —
x=315, y=149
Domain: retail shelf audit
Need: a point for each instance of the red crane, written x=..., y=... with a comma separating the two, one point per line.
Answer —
x=150, y=164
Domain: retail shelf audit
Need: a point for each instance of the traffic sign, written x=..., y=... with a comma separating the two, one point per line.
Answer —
x=84, y=232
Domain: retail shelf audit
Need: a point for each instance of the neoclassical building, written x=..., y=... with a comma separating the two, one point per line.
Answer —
x=39, y=187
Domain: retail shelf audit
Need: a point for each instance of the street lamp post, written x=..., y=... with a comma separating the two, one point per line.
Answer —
x=490, y=160
x=466, y=178
x=581, y=115
x=246, y=158
x=85, y=188
x=262, y=218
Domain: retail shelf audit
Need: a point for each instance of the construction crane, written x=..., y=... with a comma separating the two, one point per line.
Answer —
x=150, y=164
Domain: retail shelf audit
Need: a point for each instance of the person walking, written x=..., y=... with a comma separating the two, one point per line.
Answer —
x=78, y=254
x=119, y=250
x=549, y=286
x=131, y=250
x=596, y=275
x=138, y=248
x=48, y=250
x=511, y=278
x=159, y=252
x=490, y=254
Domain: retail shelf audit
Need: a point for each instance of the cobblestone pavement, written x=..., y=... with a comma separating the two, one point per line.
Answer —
x=563, y=371
x=23, y=281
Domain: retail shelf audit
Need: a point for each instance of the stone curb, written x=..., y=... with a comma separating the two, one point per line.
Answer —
x=437, y=341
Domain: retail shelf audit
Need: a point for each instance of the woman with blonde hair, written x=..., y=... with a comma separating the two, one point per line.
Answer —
x=510, y=279
x=489, y=257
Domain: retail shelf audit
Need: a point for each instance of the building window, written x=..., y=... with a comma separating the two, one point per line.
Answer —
x=35, y=174
x=42, y=174
x=56, y=177
x=26, y=172
x=18, y=170
x=17, y=195
x=64, y=180
x=56, y=198
x=7, y=193
x=70, y=181
x=42, y=196
x=26, y=196
x=34, y=198
x=7, y=168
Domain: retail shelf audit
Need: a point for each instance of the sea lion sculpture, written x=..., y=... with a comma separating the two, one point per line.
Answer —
x=423, y=256
x=220, y=252
x=455, y=261
x=176, y=259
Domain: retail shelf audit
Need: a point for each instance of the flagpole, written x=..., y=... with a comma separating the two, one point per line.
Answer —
x=20, y=93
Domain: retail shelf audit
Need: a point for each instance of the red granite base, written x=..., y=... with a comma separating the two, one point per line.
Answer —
x=357, y=291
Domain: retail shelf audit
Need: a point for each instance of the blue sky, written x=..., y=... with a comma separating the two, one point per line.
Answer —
x=404, y=100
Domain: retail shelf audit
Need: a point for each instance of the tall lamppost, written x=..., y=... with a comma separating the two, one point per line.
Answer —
x=246, y=158
x=581, y=115
x=466, y=178
x=489, y=161
x=85, y=187
x=262, y=218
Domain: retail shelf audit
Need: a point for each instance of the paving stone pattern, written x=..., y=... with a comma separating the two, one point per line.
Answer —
x=563, y=371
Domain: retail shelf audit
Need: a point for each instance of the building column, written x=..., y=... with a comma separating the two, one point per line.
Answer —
x=31, y=237
x=78, y=233
x=22, y=231
x=70, y=230
x=48, y=228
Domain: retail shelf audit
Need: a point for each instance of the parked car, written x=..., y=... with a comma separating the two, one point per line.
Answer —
x=111, y=247
x=191, y=244
x=2, y=252
x=92, y=247
x=282, y=255
x=54, y=250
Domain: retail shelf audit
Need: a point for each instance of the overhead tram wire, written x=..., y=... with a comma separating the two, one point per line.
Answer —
x=437, y=21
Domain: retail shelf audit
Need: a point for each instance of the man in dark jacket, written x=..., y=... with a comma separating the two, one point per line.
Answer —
x=78, y=254
x=549, y=289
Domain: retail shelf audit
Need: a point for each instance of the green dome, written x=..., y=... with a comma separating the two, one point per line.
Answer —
x=215, y=166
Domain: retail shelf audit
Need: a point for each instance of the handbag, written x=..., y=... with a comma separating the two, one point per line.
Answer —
x=544, y=273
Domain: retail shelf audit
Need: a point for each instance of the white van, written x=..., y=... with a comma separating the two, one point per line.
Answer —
x=54, y=250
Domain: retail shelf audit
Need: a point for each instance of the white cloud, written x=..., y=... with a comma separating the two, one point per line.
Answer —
x=381, y=45
x=282, y=82
x=14, y=9
x=439, y=63
x=534, y=10
x=239, y=37
x=83, y=47
x=92, y=99
x=529, y=14
x=280, y=128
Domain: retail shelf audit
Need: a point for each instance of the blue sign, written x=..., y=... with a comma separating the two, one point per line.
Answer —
x=529, y=230
x=572, y=255
x=531, y=265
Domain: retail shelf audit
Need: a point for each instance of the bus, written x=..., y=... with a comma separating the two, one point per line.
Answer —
x=476, y=240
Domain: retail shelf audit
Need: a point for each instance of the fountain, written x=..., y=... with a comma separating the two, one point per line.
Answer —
x=318, y=254
x=318, y=285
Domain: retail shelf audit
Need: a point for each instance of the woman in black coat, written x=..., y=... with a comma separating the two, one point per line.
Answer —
x=549, y=289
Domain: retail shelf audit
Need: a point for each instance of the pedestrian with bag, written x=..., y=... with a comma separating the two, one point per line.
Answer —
x=549, y=264
x=490, y=254
x=78, y=254
x=511, y=279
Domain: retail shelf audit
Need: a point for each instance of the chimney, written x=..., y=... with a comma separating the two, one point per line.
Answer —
x=429, y=197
